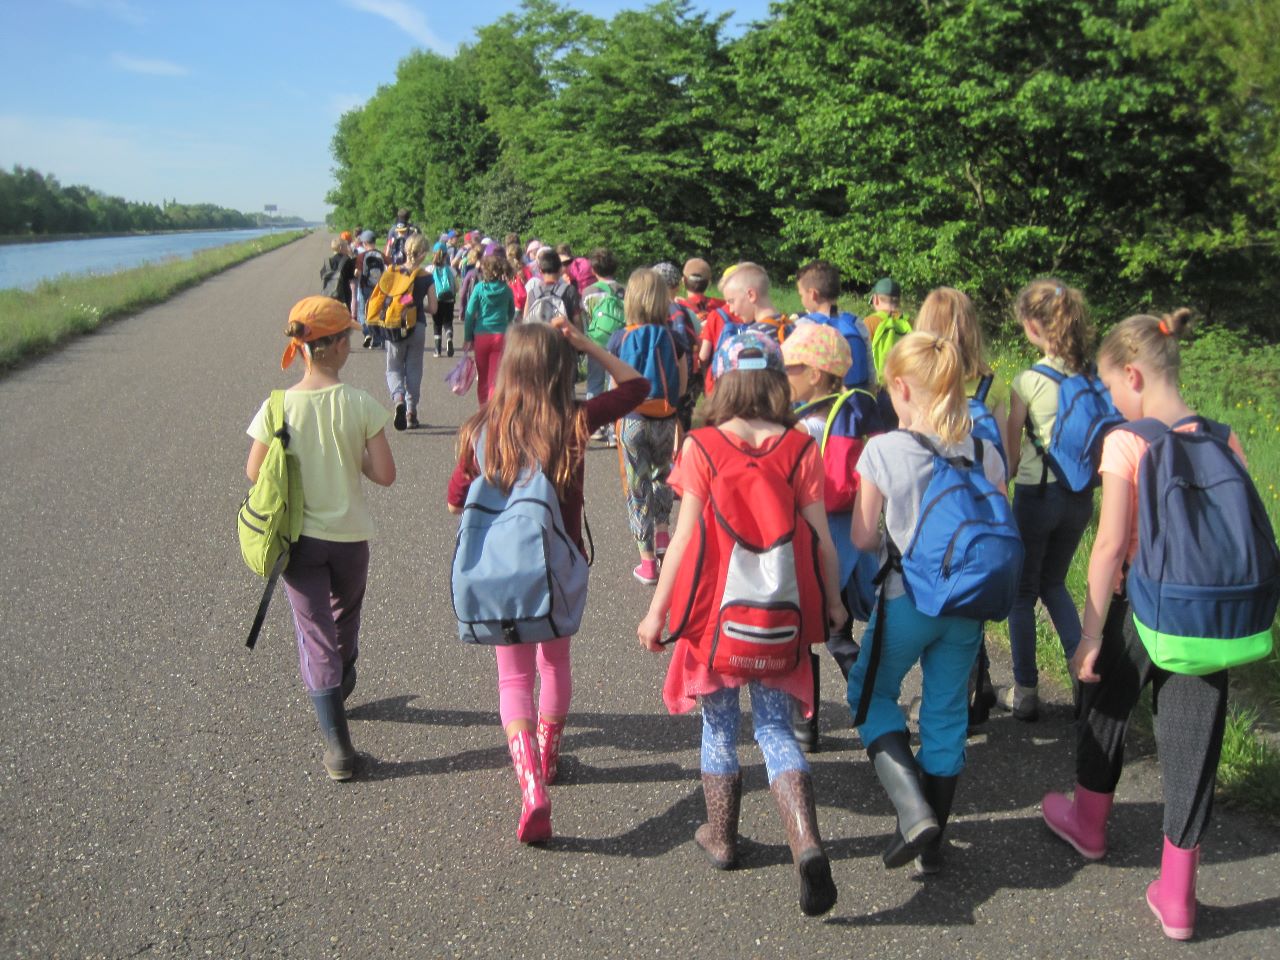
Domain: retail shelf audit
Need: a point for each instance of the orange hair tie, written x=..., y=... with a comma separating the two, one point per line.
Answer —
x=1164, y=328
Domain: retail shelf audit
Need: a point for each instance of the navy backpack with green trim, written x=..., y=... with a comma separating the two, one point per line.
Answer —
x=1205, y=583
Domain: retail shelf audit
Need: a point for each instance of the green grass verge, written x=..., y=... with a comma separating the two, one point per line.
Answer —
x=34, y=321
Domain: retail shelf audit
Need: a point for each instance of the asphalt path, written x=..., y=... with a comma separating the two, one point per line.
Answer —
x=162, y=788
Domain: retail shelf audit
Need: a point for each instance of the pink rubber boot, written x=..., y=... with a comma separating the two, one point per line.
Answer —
x=1172, y=897
x=535, y=813
x=1080, y=820
x=549, y=735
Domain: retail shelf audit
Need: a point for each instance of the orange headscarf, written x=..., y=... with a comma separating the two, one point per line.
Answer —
x=322, y=317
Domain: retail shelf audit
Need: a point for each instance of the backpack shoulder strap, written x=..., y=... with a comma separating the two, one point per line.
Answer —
x=1148, y=428
x=984, y=388
x=275, y=417
x=1047, y=371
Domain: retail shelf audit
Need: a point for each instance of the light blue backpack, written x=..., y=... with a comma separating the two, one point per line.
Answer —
x=517, y=575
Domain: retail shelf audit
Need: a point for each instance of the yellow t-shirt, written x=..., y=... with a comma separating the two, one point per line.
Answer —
x=328, y=430
x=1040, y=394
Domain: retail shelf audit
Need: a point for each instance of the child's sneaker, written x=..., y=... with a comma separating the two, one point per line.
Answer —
x=646, y=572
x=1022, y=702
x=661, y=540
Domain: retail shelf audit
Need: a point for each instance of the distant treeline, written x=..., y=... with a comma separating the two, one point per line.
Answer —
x=1131, y=147
x=32, y=203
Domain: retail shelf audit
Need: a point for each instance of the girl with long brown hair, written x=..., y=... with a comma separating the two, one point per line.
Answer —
x=533, y=419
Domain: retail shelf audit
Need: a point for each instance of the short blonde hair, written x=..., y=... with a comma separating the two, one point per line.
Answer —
x=931, y=365
x=751, y=276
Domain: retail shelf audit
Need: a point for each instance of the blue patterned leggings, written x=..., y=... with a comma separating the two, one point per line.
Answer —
x=771, y=720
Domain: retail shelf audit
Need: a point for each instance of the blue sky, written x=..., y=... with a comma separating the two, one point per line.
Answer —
x=223, y=101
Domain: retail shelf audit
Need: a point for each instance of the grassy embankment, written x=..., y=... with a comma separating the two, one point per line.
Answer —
x=34, y=321
x=1227, y=378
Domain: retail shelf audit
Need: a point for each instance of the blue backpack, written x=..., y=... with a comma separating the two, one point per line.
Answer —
x=965, y=556
x=1205, y=583
x=1085, y=414
x=517, y=576
x=777, y=329
x=850, y=326
x=985, y=427
x=442, y=277
x=650, y=348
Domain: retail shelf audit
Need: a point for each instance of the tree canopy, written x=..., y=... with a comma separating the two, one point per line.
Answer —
x=1129, y=146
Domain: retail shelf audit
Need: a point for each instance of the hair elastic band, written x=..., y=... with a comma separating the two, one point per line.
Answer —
x=1164, y=328
x=1057, y=291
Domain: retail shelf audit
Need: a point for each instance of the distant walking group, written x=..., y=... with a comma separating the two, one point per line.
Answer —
x=828, y=468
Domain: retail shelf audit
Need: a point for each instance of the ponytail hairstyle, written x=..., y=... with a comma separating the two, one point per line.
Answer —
x=532, y=418
x=415, y=249
x=948, y=313
x=1063, y=316
x=1149, y=341
x=647, y=298
x=932, y=366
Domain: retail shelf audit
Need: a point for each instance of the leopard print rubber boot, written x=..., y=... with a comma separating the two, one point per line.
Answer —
x=718, y=837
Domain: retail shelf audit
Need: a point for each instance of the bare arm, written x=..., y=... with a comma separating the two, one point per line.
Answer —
x=866, y=517
x=1013, y=432
x=650, y=629
x=377, y=463
x=257, y=453
x=620, y=371
x=816, y=514
x=1110, y=548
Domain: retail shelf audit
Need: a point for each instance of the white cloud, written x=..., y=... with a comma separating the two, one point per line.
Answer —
x=120, y=9
x=156, y=68
x=408, y=18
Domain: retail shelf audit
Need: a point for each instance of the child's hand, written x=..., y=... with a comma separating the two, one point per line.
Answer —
x=1085, y=661
x=836, y=615
x=650, y=631
x=571, y=333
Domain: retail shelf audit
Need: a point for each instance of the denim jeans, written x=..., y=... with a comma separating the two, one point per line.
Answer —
x=1051, y=525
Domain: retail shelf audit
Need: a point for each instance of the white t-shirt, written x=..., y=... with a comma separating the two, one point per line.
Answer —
x=896, y=465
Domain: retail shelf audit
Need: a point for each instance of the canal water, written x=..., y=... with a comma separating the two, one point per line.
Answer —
x=26, y=264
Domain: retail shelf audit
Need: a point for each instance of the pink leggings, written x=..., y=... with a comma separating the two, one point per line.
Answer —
x=488, y=356
x=519, y=665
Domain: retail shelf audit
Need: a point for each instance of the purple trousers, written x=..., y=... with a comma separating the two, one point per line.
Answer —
x=325, y=582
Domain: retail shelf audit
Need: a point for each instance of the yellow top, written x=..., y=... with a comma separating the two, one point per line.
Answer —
x=328, y=429
x=1040, y=394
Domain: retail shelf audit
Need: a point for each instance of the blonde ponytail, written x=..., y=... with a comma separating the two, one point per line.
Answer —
x=932, y=366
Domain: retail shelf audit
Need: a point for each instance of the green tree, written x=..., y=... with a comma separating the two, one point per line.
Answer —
x=979, y=144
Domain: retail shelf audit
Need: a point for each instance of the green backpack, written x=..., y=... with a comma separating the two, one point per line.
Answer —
x=270, y=520
x=607, y=313
x=889, y=331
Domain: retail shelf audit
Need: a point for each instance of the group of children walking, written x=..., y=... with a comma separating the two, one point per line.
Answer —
x=813, y=492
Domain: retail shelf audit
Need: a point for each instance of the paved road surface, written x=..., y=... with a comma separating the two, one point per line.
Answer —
x=162, y=790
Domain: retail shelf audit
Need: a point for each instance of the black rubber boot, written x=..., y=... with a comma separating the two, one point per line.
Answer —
x=806, y=731
x=899, y=774
x=448, y=341
x=437, y=353
x=940, y=792
x=339, y=754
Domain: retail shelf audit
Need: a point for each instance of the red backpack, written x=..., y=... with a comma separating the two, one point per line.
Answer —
x=749, y=596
